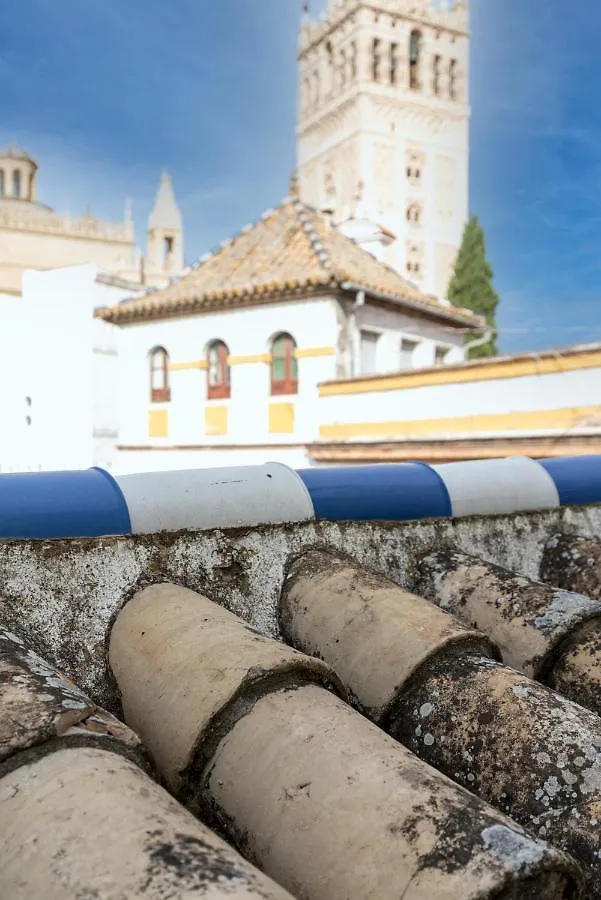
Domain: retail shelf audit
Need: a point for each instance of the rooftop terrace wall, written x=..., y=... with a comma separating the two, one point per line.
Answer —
x=64, y=595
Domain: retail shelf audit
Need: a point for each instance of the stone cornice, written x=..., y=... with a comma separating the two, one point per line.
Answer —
x=62, y=226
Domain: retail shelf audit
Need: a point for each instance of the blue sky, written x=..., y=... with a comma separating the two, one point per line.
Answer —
x=107, y=92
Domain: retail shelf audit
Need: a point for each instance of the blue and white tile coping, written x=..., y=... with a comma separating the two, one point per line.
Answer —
x=93, y=503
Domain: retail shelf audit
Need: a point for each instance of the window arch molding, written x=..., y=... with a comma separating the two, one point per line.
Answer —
x=284, y=365
x=218, y=370
x=160, y=390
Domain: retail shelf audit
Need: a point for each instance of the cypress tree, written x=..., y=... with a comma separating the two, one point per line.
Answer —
x=471, y=285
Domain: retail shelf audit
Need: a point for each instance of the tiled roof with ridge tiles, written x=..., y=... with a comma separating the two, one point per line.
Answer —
x=290, y=251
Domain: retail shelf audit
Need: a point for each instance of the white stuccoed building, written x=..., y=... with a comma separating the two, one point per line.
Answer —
x=59, y=371
x=223, y=366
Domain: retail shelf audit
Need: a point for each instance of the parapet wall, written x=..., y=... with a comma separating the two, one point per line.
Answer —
x=64, y=595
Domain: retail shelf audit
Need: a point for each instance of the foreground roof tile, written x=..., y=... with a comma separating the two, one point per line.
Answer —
x=573, y=562
x=80, y=818
x=318, y=797
x=512, y=741
x=533, y=624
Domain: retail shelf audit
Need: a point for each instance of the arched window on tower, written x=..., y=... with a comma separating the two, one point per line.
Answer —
x=353, y=62
x=394, y=63
x=316, y=90
x=17, y=183
x=168, y=246
x=414, y=214
x=160, y=392
x=330, y=66
x=284, y=365
x=436, y=63
x=219, y=385
x=453, y=79
x=2, y=189
x=415, y=46
x=376, y=59
x=342, y=73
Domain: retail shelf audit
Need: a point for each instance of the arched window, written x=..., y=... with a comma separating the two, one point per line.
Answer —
x=168, y=245
x=160, y=392
x=330, y=69
x=436, y=75
x=376, y=59
x=415, y=42
x=306, y=98
x=284, y=365
x=1, y=182
x=218, y=387
x=342, y=69
x=354, y=61
x=16, y=183
x=414, y=213
x=453, y=79
x=394, y=63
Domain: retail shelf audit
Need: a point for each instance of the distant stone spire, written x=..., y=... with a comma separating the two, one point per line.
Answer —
x=165, y=213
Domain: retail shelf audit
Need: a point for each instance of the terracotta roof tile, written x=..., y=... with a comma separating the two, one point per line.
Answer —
x=290, y=250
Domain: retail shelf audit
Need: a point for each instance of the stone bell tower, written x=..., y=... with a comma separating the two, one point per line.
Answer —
x=165, y=237
x=384, y=117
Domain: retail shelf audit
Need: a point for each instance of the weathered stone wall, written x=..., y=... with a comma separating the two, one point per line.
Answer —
x=64, y=595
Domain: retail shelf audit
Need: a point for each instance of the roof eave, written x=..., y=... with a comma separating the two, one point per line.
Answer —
x=128, y=314
x=440, y=312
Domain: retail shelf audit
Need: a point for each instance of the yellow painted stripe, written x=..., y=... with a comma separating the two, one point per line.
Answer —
x=493, y=370
x=540, y=420
x=183, y=366
x=306, y=352
x=251, y=358
x=300, y=353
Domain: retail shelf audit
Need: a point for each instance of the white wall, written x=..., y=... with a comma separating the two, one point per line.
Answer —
x=58, y=372
x=105, y=392
x=393, y=326
x=48, y=340
x=531, y=393
x=247, y=333
x=88, y=381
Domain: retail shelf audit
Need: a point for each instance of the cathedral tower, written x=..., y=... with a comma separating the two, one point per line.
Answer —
x=165, y=244
x=384, y=125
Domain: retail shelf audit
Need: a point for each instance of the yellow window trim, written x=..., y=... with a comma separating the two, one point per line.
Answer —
x=183, y=366
x=158, y=423
x=300, y=353
x=281, y=418
x=216, y=420
x=251, y=358
x=307, y=352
